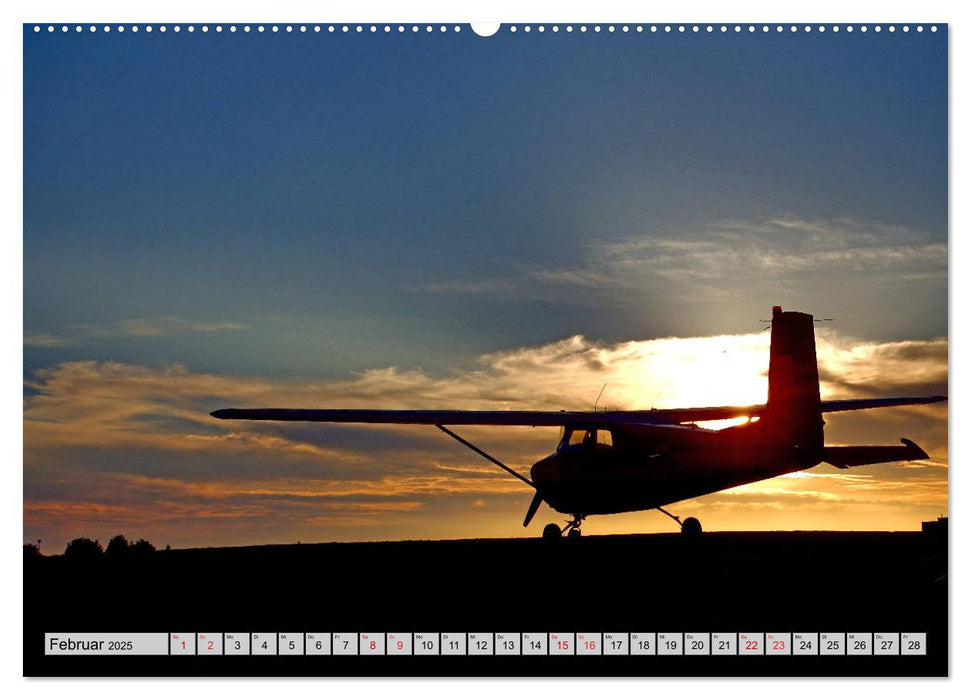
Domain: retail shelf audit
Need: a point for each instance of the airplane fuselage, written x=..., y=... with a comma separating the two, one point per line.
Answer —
x=644, y=467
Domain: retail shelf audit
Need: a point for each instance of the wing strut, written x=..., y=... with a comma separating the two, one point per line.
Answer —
x=484, y=454
x=674, y=517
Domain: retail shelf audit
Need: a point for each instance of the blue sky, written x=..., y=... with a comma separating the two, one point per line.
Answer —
x=448, y=221
x=418, y=199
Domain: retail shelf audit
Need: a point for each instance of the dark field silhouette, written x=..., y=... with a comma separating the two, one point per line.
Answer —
x=720, y=582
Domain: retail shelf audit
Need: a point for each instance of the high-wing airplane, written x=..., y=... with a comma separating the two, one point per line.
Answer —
x=621, y=461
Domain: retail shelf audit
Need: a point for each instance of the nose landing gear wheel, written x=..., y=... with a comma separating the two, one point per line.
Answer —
x=572, y=529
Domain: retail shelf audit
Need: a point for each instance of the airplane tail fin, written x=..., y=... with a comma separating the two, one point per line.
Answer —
x=793, y=410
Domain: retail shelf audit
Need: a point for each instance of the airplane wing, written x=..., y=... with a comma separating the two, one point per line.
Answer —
x=661, y=416
x=526, y=418
x=860, y=404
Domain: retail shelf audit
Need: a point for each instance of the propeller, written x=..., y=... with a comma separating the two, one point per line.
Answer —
x=533, y=507
x=537, y=499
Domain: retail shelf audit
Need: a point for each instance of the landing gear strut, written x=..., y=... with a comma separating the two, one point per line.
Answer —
x=572, y=529
x=690, y=527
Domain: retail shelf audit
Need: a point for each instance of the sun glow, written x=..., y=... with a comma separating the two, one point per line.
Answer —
x=713, y=371
x=726, y=423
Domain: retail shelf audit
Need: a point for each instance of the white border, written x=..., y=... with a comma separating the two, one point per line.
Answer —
x=519, y=11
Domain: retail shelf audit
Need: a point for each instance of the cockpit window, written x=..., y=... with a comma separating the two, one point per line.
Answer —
x=587, y=438
x=576, y=437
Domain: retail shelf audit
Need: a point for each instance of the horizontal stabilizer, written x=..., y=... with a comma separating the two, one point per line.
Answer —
x=844, y=457
x=860, y=404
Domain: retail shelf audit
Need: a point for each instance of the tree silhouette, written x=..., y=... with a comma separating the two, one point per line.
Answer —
x=32, y=552
x=117, y=547
x=142, y=548
x=82, y=549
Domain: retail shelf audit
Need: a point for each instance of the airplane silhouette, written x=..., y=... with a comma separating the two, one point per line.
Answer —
x=621, y=461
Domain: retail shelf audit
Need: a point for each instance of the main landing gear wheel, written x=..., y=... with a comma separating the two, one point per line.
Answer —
x=573, y=534
x=551, y=532
x=691, y=527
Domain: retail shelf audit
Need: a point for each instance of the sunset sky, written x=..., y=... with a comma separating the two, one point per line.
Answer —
x=439, y=220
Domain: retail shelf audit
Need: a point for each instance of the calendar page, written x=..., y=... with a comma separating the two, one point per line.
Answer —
x=517, y=349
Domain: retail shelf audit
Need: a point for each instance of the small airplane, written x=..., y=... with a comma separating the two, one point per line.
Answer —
x=621, y=461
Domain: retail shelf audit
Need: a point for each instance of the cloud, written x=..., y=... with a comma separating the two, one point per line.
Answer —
x=732, y=255
x=862, y=368
x=160, y=326
x=109, y=443
x=47, y=340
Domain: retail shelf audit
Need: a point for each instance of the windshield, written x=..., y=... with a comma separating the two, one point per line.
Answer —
x=582, y=438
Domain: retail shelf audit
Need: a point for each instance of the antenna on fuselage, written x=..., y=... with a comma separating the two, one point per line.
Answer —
x=595, y=403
